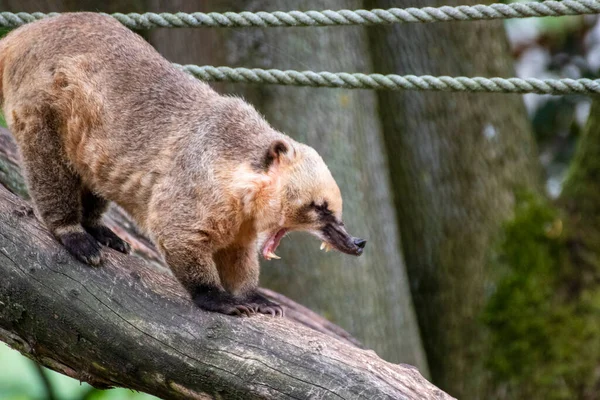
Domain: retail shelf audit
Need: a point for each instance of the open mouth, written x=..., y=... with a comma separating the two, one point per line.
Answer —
x=333, y=238
x=342, y=249
x=272, y=242
x=269, y=247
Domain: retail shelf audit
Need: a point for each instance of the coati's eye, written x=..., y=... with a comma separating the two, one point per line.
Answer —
x=321, y=208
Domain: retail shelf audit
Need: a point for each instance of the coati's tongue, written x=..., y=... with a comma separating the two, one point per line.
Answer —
x=268, y=250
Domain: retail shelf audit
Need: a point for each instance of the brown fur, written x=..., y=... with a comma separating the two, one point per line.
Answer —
x=100, y=116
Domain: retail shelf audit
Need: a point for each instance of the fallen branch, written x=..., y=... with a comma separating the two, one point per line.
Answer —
x=130, y=324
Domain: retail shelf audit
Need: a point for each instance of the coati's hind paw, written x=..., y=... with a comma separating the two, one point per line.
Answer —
x=83, y=246
x=213, y=299
x=262, y=305
x=108, y=238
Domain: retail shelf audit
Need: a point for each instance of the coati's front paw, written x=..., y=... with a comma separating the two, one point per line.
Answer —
x=83, y=246
x=108, y=238
x=213, y=299
x=261, y=304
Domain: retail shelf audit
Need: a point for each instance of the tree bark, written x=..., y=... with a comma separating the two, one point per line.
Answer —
x=130, y=324
x=456, y=162
x=581, y=189
x=368, y=296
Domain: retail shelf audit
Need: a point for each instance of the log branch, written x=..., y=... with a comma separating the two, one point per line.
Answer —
x=130, y=324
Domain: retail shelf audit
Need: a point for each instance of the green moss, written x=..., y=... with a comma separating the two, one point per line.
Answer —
x=544, y=314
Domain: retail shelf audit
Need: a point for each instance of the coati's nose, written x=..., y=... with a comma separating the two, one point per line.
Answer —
x=360, y=243
x=336, y=236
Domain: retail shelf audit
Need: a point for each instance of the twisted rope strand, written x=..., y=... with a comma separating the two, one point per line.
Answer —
x=362, y=17
x=393, y=82
x=328, y=17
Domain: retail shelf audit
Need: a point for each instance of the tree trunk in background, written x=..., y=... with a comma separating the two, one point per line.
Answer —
x=456, y=161
x=369, y=296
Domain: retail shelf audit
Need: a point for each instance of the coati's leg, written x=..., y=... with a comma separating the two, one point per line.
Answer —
x=238, y=269
x=55, y=189
x=191, y=260
x=93, y=208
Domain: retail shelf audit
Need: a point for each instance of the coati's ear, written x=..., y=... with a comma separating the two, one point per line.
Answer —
x=278, y=153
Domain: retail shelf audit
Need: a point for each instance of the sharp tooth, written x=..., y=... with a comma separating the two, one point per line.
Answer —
x=326, y=246
x=271, y=255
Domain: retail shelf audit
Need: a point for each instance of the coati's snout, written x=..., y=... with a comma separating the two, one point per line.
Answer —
x=335, y=235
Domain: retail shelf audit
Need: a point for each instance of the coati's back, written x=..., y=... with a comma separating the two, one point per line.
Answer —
x=98, y=80
x=110, y=51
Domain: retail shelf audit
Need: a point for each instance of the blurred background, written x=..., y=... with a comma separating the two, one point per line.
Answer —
x=481, y=210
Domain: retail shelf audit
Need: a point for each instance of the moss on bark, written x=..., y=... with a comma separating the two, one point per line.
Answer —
x=544, y=324
x=544, y=314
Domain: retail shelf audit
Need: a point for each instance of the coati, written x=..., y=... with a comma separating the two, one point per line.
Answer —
x=100, y=116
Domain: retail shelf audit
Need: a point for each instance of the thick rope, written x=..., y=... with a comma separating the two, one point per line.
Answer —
x=549, y=8
x=394, y=82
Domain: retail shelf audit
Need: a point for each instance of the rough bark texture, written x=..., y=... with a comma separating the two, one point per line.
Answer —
x=456, y=161
x=130, y=324
x=368, y=296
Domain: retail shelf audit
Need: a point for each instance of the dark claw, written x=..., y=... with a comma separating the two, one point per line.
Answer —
x=269, y=311
x=108, y=238
x=83, y=246
x=242, y=310
x=265, y=306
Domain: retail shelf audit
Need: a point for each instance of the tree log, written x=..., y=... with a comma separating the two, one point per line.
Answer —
x=129, y=323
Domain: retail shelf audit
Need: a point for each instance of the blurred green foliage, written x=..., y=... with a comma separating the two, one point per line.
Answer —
x=21, y=380
x=544, y=326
